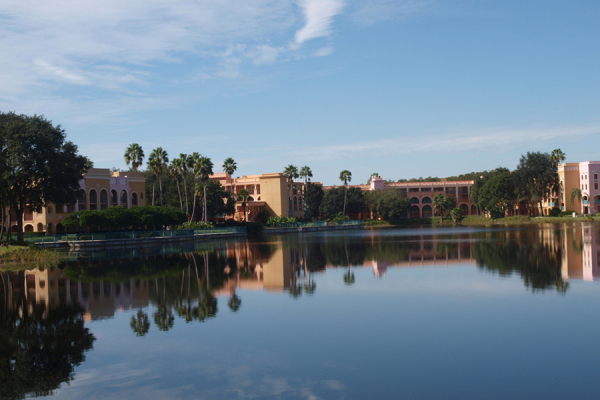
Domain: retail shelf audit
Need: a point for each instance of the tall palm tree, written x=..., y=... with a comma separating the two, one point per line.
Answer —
x=229, y=167
x=184, y=170
x=305, y=173
x=154, y=166
x=439, y=205
x=175, y=169
x=345, y=176
x=141, y=324
x=205, y=170
x=556, y=157
x=243, y=196
x=192, y=163
x=291, y=173
x=160, y=158
x=576, y=193
x=134, y=155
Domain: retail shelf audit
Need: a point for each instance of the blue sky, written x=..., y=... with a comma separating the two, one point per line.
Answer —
x=405, y=88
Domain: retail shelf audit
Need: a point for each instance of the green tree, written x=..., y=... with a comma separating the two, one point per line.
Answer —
x=244, y=196
x=205, y=170
x=234, y=303
x=439, y=205
x=140, y=325
x=37, y=166
x=333, y=201
x=218, y=200
x=534, y=178
x=456, y=214
x=176, y=170
x=392, y=205
x=556, y=157
x=134, y=155
x=194, y=164
x=497, y=195
x=576, y=193
x=184, y=170
x=159, y=159
x=313, y=197
x=291, y=173
x=229, y=167
x=345, y=176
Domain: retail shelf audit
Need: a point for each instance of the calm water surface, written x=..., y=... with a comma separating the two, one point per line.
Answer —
x=453, y=313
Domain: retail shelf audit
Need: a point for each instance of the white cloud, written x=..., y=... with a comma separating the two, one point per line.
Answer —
x=498, y=139
x=319, y=16
x=324, y=51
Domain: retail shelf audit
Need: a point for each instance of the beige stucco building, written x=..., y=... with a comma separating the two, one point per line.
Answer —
x=271, y=192
x=98, y=190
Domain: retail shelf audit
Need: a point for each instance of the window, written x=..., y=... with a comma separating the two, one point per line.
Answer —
x=71, y=208
x=438, y=189
x=103, y=200
x=411, y=190
x=426, y=190
x=49, y=210
x=60, y=208
x=124, y=198
x=93, y=199
x=451, y=190
x=134, y=199
x=595, y=181
x=113, y=198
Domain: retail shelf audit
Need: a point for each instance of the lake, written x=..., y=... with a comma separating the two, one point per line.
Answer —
x=419, y=313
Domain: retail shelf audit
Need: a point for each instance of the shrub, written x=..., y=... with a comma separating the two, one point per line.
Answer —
x=339, y=217
x=253, y=227
x=281, y=220
x=555, y=212
x=456, y=214
x=567, y=213
x=263, y=216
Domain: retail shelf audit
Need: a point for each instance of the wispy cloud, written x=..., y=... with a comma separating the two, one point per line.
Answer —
x=498, y=139
x=319, y=16
x=373, y=11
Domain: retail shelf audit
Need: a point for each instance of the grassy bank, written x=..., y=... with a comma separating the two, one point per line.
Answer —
x=14, y=256
x=478, y=220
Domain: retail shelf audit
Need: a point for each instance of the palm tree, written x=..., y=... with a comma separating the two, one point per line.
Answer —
x=229, y=167
x=175, y=169
x=134, y=155
x=193, y=161
x=160, y=159
x=345, y=176
x=291, y=173
x=243, y=196
x=154, y=166
x=140, y=325
x=374, y=175
x=184, y=170
x=577, y=194
x=305, y=173
x=439, y=205
x=556, y=157
x=234, y=302
x=205, y=170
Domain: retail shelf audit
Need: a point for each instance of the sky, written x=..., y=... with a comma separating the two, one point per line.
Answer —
x=404, y=88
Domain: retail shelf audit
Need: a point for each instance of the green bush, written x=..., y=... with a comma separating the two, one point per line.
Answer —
x=194, y=225
x=567, y=213
x=339, y=217
x=263, y=216
x=275, y=220
x=555, y=212
x=456, y=214
x=121, y=217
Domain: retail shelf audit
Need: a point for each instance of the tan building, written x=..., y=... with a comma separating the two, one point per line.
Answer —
x=99, y=189
x=271, y=192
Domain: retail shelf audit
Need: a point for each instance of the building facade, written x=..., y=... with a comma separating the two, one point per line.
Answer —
x=271, y=192
x=421, y=194
x=98, y=190
x=583, y=175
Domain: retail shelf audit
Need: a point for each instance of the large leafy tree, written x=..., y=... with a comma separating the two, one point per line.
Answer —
x=392, y=205
x=497, y=195
x=37, y=165
x=134, y=155
x=313, y=197
x=535, y=178
x=158, y=161
x=345, y=176
x=333, y=201
x=218, y=200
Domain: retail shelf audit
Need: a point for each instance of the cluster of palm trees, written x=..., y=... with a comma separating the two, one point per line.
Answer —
x=291, y=172
x=158, y=162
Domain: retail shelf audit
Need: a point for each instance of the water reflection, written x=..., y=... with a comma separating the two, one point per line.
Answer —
x=42, y=334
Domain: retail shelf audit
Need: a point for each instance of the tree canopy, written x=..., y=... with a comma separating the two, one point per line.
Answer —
x=37, y=165
x=333, y=201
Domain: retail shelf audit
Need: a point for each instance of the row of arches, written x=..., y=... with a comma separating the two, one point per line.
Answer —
x=426, y=211
x=101, y=202
x=39, y=227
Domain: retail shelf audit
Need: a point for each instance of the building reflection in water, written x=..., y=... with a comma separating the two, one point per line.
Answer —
x=581, y=256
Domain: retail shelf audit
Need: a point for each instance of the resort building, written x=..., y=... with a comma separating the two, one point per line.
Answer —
x=98, y=190
x=271, y=192
x=421, y=194
x=583, y=175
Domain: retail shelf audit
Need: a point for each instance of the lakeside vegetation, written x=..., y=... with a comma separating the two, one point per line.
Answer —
x=474, y=220
x=18, y=257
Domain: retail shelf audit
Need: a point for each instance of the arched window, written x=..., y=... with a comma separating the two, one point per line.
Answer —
x=295, y=204
x=414, y=200
x=28, y=228
x=103, y=200
x=426, y=200
x=134, y=199
x=465, y=209
x=427, y=211
x=124, y=198
x=114, y=200
x=300, y=204
x=141, y=196
x=415, y=212
x=473, y=210
x=40, y=227
x=93, y=199
x=81, y=199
